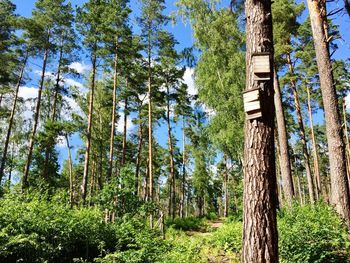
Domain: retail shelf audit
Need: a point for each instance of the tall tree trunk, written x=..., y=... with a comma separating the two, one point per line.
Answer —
x=339, y=198
x=260, y=242
x=226, y=204
x=12, y=116
x=71, y=179
x=286, y=171
x=347, y=144
x=172, y=199
x=125, y=129
x=25, y=182
x=114, y=109
x=314, y=145
x=89, y=128
x=183, y=181
x=150, y=123
x=302, y=133
x=138, y=159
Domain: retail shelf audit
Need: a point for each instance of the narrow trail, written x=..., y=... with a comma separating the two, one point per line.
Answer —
x=212, y=226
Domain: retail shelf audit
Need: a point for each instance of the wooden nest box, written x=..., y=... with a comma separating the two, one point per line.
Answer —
x=261, y=66
x=252, y=104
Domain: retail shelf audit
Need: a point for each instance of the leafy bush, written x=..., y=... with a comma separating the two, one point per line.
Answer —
x=229, y=237
x=312, y=234
x=41, y=229
x=189, y=223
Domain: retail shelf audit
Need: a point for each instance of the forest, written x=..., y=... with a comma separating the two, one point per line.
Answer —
x=174, y=131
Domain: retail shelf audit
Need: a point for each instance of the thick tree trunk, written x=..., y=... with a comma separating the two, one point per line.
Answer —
x=314, y=145
x=286, y=171
x=71, y=179
x=125, y=129
x=339, y=184
x=89, y=129
x=302, y=133
x=12, y=117
x=260, y=242
x=172, y=200
x=114, y=109
x=25, y=182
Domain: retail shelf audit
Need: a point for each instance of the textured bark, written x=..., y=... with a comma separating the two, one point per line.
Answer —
x=310, y=182
x=286, y=171
x=226, y=204
x=314, y=146
x=347, y=144
x=339, y=197
x=114, y=109
x=89, y=129
x=12, y=117
x=25, y=182
x=260, y=242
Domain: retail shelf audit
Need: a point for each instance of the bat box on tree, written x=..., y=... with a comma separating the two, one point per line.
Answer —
x=261, y=66
x=252, y=104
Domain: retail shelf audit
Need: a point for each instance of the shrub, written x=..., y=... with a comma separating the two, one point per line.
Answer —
x=229, y=237
x=185, y=224
x=312, y=234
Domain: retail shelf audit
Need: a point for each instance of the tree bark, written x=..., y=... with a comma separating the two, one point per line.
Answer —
x=302, y=133
x=114, y=109
x=89, y=128
x=25, y=182
x=314, y=146
x=183, y=181
x=138, y=159
x=347, y=144
x=226, y=204
x=260, y=242
x=286, y=171
x=172, y=205
x=71, y=179
x=125, y=129
x=339, y=197
x=12, y=116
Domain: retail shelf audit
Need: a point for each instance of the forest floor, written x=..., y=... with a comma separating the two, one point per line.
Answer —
x=212, y=255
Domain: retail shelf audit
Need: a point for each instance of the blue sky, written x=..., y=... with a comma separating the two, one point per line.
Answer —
x=183, y=34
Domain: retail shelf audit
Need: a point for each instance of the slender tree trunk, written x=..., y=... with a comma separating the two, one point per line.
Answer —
x=138, y=159
x=71, y=179
x=183, y=181
x=302, y=133
x=125, y=130
x=89, y=129
x=172, y=207
x=150, y=123
x=114, y=109
x=226, y=204
x=347, y=144
x=286, y=171
x=314, y=145
x=12, y=117
x=260, y=242
x=25, y=182
x=340, y=198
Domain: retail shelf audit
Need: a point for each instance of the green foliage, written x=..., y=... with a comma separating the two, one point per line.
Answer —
x=312, y=234
x=229, y=237
x=185, y=224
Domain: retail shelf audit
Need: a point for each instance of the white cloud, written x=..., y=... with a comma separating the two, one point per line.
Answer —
x=189, y=80
x=72, y=82
x=120, y=125
x=28, y=92
x=347, y=102
x=79, y=67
